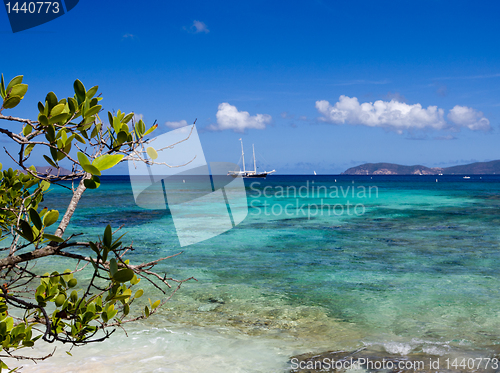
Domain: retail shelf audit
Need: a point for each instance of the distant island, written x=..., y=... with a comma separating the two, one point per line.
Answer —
x=477, y=168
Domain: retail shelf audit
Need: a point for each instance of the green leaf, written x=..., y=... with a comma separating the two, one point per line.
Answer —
x=146, y=311
x=79, y=138
x=51, y=101
x=94, y=247
x=116, y=124
x=139, y=293
x=26, y=230
x=63, y=117
x=140, y=127
x=72, y=105
x=44, y=121
x=56, y=110
x=152, y=153
x=27, y=130
x=2, y=88
x=107, y=161
x=51, y=237
x=108, y=234
x=50, y=161
x=113, y=267
x=28, y=149
x=121, y=137
x=67, y=275
x=56, y=155
x=50, y=217
x=93, y=110
x=63, y=136
x=92, y=183
x=123, y=275
x=91, y=169
x=45, y=185
x=156, y=304
x=151, y=130
x=91, y=92
x=74, y=295
x=128, y=118
x=19, y=90
x=79, y=90
x=11, y=102
x=82, y=158
x=111, y=312
x=16, y=80
x=50, y=133
x=35, y=219
x=9, y=321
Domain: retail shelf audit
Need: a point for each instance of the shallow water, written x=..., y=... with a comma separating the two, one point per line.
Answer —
x=412, y=268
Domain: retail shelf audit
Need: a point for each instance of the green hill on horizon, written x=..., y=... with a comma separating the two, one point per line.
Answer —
x=477, y=168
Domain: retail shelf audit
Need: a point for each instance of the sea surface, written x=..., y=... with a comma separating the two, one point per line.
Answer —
x=404, y=264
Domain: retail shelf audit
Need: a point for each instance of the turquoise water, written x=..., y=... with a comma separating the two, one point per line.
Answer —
x=411, y=266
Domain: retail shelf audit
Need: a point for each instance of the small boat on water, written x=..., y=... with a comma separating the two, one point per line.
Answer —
x=466, y=177
x=249, y=174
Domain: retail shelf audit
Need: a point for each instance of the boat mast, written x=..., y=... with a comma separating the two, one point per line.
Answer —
x=254, y=164
x=242, y=155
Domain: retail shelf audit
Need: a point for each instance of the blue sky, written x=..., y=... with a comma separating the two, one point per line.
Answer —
x=315, y=85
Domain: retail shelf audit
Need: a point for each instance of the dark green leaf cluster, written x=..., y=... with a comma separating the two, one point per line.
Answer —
x=20, y=195
x=14, y=336
x=56, y=304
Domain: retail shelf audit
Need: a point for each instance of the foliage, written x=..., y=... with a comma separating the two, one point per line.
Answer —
x=56, y=306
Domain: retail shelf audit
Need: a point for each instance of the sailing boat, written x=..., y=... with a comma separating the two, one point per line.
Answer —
x=248, y=174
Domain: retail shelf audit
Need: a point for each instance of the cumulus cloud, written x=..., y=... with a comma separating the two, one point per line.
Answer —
x=198, y=27
x=179, y=124
x=393, y=115
x=229, y=118
x=464, y=116
x=399, y=116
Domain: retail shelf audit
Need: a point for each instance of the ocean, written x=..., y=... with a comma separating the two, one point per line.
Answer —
x=401, y=264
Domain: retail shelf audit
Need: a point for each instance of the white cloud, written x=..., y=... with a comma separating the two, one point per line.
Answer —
x=179, y=124
x=129, y=37
x=464, y=116
x=447, y=137
x=393, y=115
x=229, y=118
x=198, y=27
